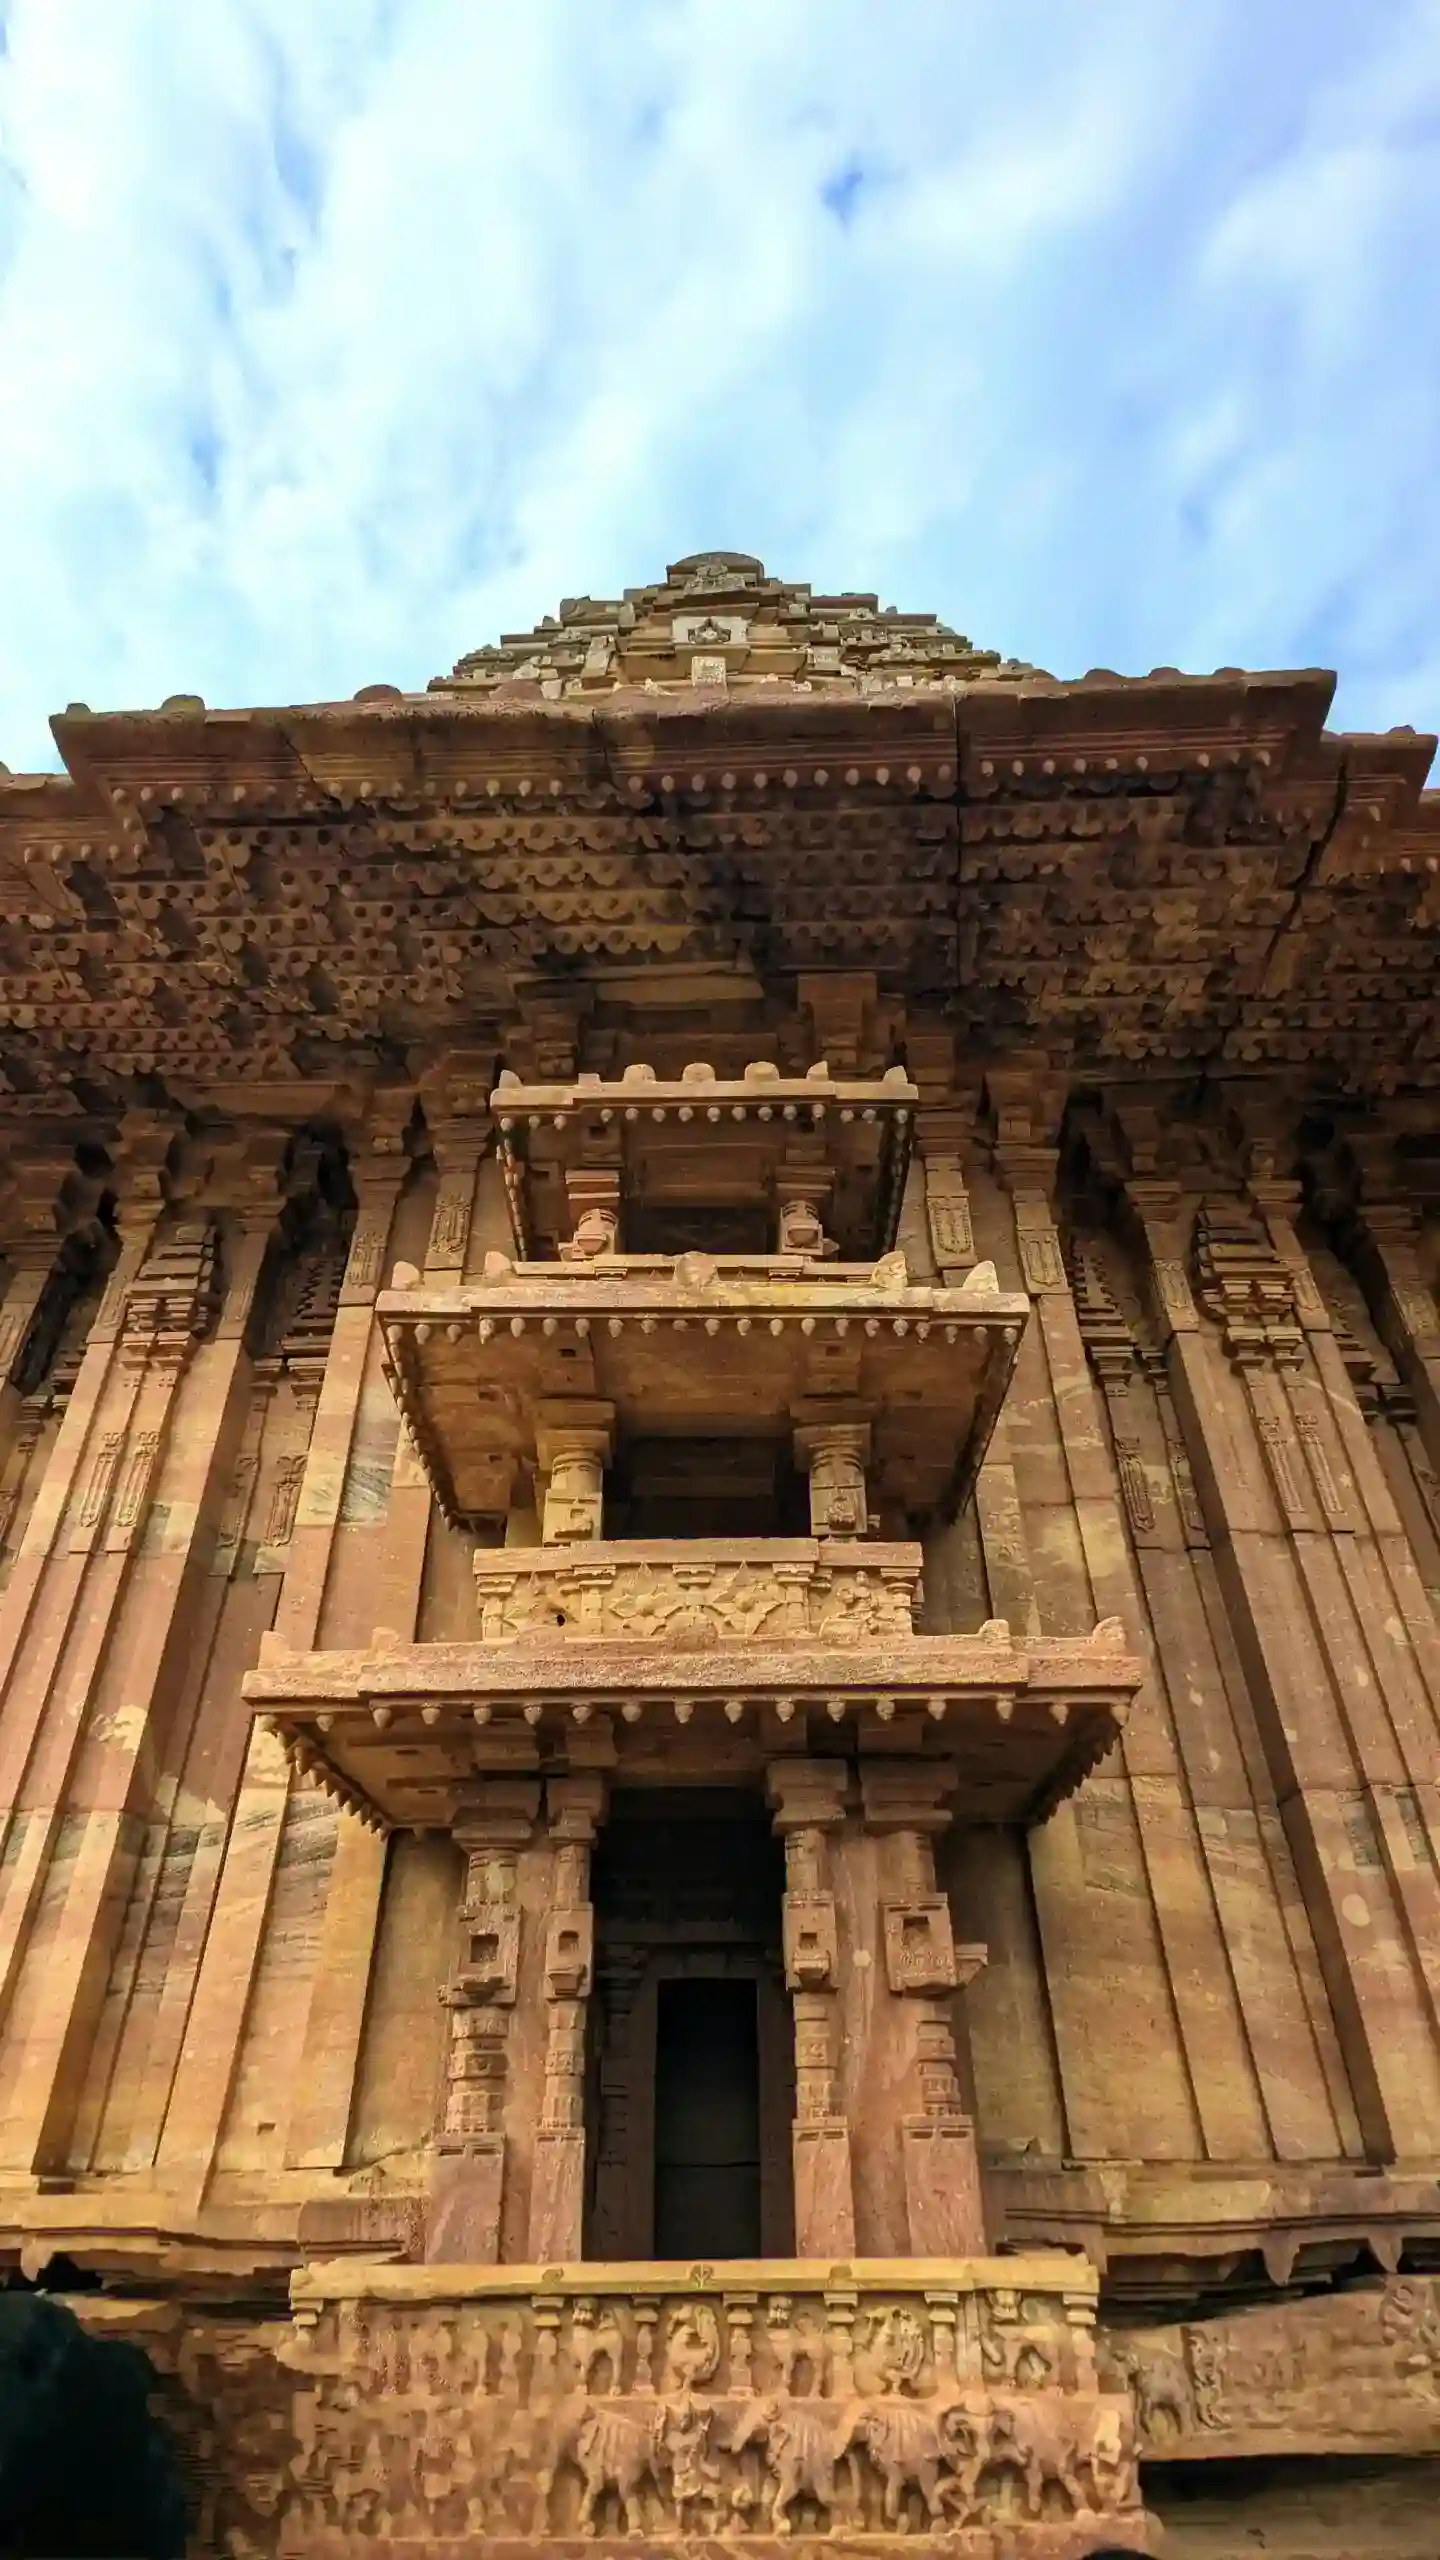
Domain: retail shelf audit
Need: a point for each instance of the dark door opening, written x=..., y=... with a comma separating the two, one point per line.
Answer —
x=691, y=2042
x=707, y=2121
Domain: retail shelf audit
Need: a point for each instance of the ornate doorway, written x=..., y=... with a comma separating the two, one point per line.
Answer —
x=691, y=2077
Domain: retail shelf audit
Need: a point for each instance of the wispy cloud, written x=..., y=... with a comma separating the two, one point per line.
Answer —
x=336, y=335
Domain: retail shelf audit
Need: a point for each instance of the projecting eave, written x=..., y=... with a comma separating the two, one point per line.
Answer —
x=127, y=768
x=404, y=744
x=399, y=1733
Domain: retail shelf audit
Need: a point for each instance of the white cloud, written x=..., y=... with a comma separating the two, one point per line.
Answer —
x=336, y=335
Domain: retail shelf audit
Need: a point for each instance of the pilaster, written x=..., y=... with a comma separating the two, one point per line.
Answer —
x=206, y=2066
x=1389, y=1233
x=1280, y=1505
x=148, y=1509
x=904, y=1808
x=946, y=1137
x=1135, y=1815
x=41, y=1599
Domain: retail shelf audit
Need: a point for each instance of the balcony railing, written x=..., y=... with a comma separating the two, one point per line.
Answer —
x=693, y=1591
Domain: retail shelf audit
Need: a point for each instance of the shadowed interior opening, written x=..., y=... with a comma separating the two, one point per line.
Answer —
x=691, y=2077
x=707, y=2121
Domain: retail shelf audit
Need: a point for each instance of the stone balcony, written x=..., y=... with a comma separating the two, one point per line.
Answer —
x=596, y=1159
x=695, y=1347
x=758, y=2404
x=402, y=1732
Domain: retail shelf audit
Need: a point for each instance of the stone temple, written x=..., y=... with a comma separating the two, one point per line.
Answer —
x=719, y=1677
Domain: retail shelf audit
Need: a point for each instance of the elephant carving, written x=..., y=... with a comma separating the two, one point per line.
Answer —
x=1038, y=2444
x=800, y=2452
x=913, y=2450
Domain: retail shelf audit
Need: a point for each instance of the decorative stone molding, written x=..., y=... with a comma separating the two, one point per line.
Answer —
x=770, y=1589
x=743, y=2404
x=400, y=1728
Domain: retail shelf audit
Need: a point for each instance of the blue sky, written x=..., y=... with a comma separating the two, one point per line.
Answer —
x=336, y=335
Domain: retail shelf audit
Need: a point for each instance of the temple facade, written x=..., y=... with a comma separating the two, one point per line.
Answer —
x=719, y=1665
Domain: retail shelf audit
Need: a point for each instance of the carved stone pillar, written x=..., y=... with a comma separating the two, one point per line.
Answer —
x=458, y=1141
x=467, y=2185
x=573, y=1806
x=593, y=1192
x=809, y=1801
x=803, y=1183
x=924, y=1968
x=573, y=1444
x=945, y=1137
x=834, y=1455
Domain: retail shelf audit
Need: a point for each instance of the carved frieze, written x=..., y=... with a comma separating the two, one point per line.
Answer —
x=1354, y=2371
x=567, y=2405
x=686, y=1591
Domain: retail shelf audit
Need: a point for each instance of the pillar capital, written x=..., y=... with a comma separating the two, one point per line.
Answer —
x=906, y=1795
x=835, y=1455
x=575, y=1806
x=807, y=1795
x=573, y=1443
x=498, y=1813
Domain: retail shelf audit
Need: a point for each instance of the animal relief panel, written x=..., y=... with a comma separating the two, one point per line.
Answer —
x=921, y=2401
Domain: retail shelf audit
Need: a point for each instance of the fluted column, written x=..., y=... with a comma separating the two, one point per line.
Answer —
x=233, y=1944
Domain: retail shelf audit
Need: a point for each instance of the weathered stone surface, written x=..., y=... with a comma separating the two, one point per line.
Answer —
x=741, y=1206
x=753, y=2406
